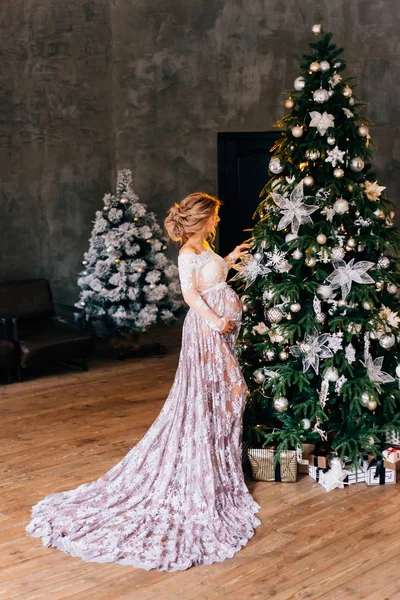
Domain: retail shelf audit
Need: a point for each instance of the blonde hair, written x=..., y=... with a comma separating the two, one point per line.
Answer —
x=190, y=216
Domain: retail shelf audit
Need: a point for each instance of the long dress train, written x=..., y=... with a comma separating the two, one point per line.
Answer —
x=178, y=498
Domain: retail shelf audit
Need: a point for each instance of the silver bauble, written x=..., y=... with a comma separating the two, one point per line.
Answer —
x=383, y=262
x=331, y=140
x=338, y=253
x=321, y=238
x=351, y=242
x=325, y=291
x=258, y=256
x=356, y=164
x=363, y=130
x=367, y=305
x=320, y=317
x=387, y=341
x=82, y=303
x=314, y=67
x=258, y=376
x=311, y=261
x=274, y=315
x=308, y=181
x=283, y=355
x=124, y=200
x=295, y=307
x=297, y=254
x=337, y=65
x=290, y=236
x=325, y=66
x=398, y=370
x=270, y=354
x=331, y=374
x=299, y=83
x=281, y=404
x=289, y=103
x=317, y=28
x=360, y=247
x=391, y=288
x=365, y=398
x=341, y=206
x=297, y=131
x=372, y=404
x=379, y=285
x=245, y=308
x=320, y=96
x=306, y=423
x=338, y=173
x=347, y=91
x=312, y=154
x=275, y=165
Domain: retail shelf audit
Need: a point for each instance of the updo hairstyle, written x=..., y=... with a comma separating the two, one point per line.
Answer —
x=190, y=216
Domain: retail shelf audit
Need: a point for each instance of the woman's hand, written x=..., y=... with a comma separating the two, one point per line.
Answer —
x=240, y=251
x=229, y=326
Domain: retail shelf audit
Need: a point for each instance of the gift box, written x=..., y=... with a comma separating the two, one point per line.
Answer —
x=391, y=455
x=304, y=461
x=393, y=438
x=356, y=475
x=262, y=465
x=321, y=459
x=376, y=473
x=315, y=472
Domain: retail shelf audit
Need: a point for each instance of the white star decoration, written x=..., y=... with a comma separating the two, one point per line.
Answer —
x=295, y=213
x=335, y=156
x=345, y=273
x=321, y=121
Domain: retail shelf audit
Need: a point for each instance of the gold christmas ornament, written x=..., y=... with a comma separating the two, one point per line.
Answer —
x=308, y=181
x=297, y=131
x=363, y=130
x=321, y=238
x=289, y=103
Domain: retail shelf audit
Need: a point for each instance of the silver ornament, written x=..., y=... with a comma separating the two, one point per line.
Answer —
x=308, y=181
x=338, y=253
x=258, y=376
x=331, y=374
x=340, y=206
x=270, y=354
x=356, y=164
x=325, y=291
x=391, y=288
x=275, y=165
x=124, y=200
x=398, y=370
x=351, y=242
x=82, y=303
x=289, y=237
x=84, y=262
x=383, y=262
x=310, y=261
x=281, y=404
x=320, y=317
x=320, y=96
x=268, y=295
x=289, y=103
x=354, y=328
x=379, y=213
x=325, y=66
x=363, y=130
x=295, y=307
x=365, y=398
x=312, y=154
x=306, y=423
x=297, y=131
x=372, y=404
x=246, y=308
x=331, y=140
x=274, y=315
x=317, y=28
x=347, y=91
x=338, y=173
x=367, y=305
x=387, y=341
x=321, y=238
x=360, y=247
x=283, y=355
x=258, y=256
x=314, y=67
x=297, y=254
x=379, y=285
x=299, y=83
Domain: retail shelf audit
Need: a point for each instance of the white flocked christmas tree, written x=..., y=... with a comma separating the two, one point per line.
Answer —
x=128, y=283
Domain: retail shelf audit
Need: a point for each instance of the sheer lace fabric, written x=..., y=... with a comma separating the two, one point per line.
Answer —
x=178, y=498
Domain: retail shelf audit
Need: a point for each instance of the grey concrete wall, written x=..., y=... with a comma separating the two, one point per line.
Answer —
x=104, y=84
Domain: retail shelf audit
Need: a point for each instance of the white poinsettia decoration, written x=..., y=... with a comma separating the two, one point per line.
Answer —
x=392, y=318
x=374, y=370
x=312, y=349
x=249, y=269
x=346, y=273
x=348, y=113
x=261, y=328
x=373, y=190
x=322, y=121
x=335, y=156
x=294, y=211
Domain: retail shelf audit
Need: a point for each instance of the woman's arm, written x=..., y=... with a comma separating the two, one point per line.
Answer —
x=236, y=253
x=191, y=295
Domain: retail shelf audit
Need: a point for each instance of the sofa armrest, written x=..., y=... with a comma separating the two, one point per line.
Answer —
x=78, y=314
x=9, y=328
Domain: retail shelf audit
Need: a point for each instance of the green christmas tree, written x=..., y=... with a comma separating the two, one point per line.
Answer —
x=320, y=338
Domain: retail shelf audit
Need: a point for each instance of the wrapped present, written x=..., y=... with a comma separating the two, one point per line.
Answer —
x=377, y=474
x=262, y=465
x=356, y=475
x=393, y=438
x=321, y=459
x=391, y=455
x=315, y=472
x=304, y=461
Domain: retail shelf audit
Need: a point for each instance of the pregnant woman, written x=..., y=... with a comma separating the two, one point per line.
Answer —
x=178, y=498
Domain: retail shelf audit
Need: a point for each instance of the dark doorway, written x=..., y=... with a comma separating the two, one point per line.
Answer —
x=243, y=160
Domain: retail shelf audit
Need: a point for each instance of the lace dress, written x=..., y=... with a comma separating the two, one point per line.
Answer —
x=178, y=498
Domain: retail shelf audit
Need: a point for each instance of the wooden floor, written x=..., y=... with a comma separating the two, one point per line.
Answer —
x=69, y=427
